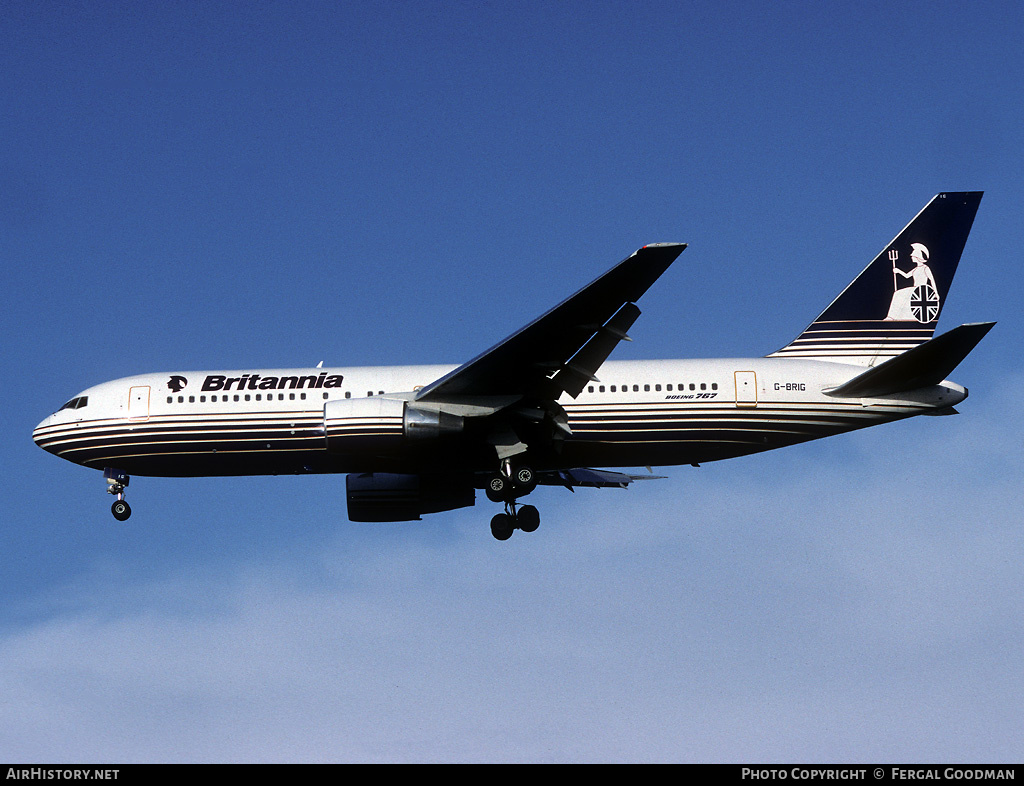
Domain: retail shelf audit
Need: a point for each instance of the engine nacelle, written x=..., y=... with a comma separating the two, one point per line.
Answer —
x=383, y=424
x=382, y=496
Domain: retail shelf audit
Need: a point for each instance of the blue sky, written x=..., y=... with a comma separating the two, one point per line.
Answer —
x=235, y=185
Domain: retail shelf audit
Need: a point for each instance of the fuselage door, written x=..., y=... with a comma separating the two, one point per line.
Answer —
x=138, y=402
x=746, y=389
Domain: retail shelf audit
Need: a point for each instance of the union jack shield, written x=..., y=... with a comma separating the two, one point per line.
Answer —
x=924, y=303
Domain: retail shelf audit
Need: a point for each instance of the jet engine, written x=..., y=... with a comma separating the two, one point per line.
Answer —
x=382, y=496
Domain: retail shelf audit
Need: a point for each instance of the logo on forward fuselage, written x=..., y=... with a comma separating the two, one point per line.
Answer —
x=260, y=382
x=176, y=383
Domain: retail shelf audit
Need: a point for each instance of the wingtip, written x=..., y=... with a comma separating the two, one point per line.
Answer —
x=680, y=246
x=982, y=327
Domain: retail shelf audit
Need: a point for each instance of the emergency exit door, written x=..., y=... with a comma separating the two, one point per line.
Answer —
x=138, y=402
x=746, y=389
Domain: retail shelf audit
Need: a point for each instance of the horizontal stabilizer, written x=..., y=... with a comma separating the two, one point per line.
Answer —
x=924, y=365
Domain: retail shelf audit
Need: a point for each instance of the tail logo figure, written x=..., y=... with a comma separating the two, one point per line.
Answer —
x=919, y=301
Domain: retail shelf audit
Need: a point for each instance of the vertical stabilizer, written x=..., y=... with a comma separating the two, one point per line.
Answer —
x=895, y=303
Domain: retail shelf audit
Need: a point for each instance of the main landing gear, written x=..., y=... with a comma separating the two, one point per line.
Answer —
x=116, y=483
x=527, y=518
x=507, y=486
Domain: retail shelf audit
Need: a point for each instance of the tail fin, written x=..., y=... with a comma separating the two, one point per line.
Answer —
x=894, y=304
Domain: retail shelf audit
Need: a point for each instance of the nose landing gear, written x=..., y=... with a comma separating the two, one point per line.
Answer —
x=116, y=483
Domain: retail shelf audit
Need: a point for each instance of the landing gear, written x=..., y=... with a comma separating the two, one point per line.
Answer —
x=510, y=483
x=525, y=481
x=116, y=483
x=502, y=526
x=527, y=518
x=507, y=486
x=497, y=488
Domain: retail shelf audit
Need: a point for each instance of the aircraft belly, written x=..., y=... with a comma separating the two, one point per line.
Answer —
x=238, y=445
x=630, y=437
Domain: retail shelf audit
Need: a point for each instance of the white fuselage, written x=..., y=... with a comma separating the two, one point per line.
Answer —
x=653, y=413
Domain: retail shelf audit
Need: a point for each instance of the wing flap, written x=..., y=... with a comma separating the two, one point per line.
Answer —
x=582, y=367
x=592, y=478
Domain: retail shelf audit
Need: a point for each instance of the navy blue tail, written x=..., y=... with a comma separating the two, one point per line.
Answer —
x=895, y=303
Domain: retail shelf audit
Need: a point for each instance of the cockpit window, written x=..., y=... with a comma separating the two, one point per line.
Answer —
x=76, y=403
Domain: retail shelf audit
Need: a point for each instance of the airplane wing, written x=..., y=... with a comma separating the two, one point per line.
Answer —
x=592, y=478
x=561, y=350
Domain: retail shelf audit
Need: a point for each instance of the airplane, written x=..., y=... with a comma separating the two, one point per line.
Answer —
x=545, y=406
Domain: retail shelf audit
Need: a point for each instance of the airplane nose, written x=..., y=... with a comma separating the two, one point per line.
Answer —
x=39, y=432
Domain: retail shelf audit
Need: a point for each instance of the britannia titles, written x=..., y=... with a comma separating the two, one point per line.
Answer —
x=259, y=382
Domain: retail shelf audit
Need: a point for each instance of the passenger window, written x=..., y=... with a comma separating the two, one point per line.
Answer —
x=590, y=389
x=191, y=399
x=612, y=389
x=636, y=388
x=600, y=388
x=714, y=386
x=202, y=399
x=170, y=400
x=668, y=388
x=647, y=388
x=692, y=386
x=348, y=394
x=703, y=386
x=247, y=397
x=291, y=396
